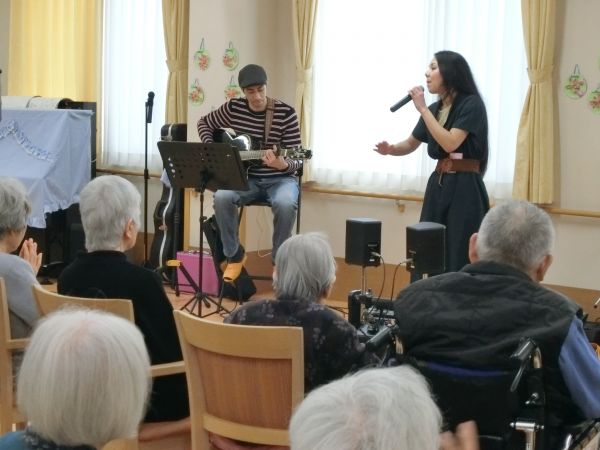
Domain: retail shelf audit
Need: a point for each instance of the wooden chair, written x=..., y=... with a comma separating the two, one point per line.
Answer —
x=48, y=302
x=156, y=435
x=9, y=415
x=243, y=381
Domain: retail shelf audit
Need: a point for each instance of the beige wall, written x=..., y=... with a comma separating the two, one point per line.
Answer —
x=256, y=29
x=577, y=253
x=4, y=30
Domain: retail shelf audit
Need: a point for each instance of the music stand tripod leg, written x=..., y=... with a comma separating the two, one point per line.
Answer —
x=202, y=166
x=199, y=294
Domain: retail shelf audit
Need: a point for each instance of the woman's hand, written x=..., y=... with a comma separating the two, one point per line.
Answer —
x=466, y=437
x=29, y=253
x=384, y=148
x=418, y=96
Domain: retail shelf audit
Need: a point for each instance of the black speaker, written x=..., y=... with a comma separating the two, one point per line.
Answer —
x=426, y=247
x=363, y=238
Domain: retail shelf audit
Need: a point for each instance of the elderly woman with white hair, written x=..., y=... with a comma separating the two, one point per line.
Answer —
x=376, y=409
x=303, y=277
x=19, y=272
x=110, y=212
x=84, y=381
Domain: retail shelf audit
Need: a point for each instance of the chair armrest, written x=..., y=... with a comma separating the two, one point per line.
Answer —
x=17, y=344
x=161, y=370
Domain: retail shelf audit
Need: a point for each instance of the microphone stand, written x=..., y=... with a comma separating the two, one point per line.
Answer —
x=149, y=105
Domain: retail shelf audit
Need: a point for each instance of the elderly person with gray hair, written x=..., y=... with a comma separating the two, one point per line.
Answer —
x=303, y=277
x=84, y=381
x=475, y=318
x=110, y=212
x=376, y=409
x=19, y=272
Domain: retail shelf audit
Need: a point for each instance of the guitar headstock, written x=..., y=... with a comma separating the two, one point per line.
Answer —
x=295, y=153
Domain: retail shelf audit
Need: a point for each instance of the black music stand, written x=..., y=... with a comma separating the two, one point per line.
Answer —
x=202, y=166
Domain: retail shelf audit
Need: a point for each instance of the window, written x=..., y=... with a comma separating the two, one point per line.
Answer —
x=133, y=64
x=368, y=58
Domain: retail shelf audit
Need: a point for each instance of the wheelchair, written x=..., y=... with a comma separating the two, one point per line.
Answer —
x=509, y=405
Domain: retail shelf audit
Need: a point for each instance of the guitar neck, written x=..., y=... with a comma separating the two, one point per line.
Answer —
x=253, y=154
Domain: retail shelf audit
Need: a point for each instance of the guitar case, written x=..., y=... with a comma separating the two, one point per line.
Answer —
x=168, y=230
x=168, y=214
x=241, y=289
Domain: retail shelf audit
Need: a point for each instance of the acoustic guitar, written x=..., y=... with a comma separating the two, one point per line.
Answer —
x=244, y=144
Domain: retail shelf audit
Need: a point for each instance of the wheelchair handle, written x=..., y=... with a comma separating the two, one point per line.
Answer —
x=527, y=350
x=522, y=354
x=384, y=336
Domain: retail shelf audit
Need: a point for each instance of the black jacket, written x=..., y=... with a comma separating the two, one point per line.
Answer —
x=108, y=274
x=474, y=318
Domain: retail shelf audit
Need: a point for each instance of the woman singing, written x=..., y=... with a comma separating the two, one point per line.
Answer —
x=456, y=131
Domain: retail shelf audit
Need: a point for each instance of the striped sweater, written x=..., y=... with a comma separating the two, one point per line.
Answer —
x=235, y=114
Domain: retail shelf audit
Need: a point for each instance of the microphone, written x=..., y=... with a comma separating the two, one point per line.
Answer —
x=402, y=102
x=149, y=105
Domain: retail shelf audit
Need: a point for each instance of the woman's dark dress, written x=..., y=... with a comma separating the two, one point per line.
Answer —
x=457, y=200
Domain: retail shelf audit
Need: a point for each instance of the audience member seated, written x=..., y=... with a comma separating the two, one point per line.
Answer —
x=375, y=409
x=303, y=276
x=19, y=272
x=84, y=381
x=110, y=212
x=475, y=317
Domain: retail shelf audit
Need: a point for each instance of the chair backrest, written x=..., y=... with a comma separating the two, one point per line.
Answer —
x=244, y=381
x=483, y=396
x=157, y=432
x=48, y=301
x=8, y=348
x=508, y=403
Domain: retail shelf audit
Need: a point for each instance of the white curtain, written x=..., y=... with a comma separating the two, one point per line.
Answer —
x=367, y=60
x=133, y=65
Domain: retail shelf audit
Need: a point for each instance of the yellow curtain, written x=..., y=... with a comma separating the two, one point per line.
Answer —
x=52, y=48
x=534, y=161
x=304, y=15
x=176, y=15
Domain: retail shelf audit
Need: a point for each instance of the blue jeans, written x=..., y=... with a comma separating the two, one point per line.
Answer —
x=280, y=192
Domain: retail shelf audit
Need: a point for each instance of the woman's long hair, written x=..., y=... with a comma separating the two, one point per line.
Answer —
x=458, y=80
x=456, y=73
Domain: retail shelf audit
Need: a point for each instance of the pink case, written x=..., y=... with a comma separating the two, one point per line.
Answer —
x=190, y=260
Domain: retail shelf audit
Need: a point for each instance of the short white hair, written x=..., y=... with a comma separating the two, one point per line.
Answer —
x=516, y=233
x=85, y=378
x=14, y=205
x=304, y=267
x=107, y=203
x=374, y=409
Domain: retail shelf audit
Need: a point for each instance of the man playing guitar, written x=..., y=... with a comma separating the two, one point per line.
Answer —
x=270, y=123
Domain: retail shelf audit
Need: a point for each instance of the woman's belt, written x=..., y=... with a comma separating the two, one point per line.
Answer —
x=448, y=165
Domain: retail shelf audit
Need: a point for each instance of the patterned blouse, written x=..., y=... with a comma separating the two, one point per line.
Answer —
x=30, y=440
x=331, y=345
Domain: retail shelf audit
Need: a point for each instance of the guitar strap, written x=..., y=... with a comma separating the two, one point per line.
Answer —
x=269, y=118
